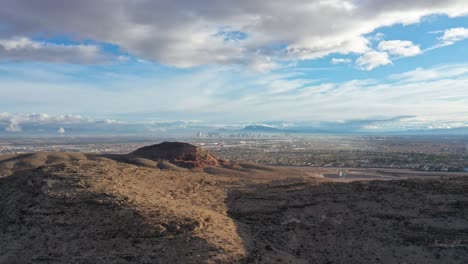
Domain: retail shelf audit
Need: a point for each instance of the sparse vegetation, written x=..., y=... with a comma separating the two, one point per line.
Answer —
x=142, y=208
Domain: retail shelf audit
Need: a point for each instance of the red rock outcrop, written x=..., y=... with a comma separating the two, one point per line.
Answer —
x=178, y=153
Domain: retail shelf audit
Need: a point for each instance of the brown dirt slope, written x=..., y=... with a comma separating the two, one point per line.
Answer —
x=108, y=212
x=401, y=221
x=75, y=208
x=21, y=162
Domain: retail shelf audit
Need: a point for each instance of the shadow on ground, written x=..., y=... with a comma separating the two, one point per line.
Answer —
x=67, y=214
x=408, y=221
x=47, y=218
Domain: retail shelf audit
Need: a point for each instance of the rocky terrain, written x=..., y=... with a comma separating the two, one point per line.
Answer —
x=180, y=154
x=177, y=203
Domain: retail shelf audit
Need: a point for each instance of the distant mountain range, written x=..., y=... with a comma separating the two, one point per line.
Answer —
x=348, y=130
x=262, y=129
x=188, y=129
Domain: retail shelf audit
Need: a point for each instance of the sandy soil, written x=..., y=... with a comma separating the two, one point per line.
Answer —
x=77, y=208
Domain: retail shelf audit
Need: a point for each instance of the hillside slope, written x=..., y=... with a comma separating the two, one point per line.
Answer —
x=77, y=208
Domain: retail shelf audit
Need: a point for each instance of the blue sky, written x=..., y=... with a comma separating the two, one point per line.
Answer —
x=384, y=65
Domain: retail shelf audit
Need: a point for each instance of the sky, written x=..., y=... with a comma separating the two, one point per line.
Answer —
x=108, y=65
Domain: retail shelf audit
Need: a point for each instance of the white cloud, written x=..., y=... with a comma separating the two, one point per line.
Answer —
x=430, y=74
x=43, y=118
x=449, y=37
x=35, y=124
x=403, y=48
x=113, y=122
x=13, y=126
x=453, y=35
x=25, y=49
x=377, y=37
x=278, y=85
x=340, y=61
x=15, y=122
x=263, y=65
x=373, y=59
x=227, y=96
x=186, y=34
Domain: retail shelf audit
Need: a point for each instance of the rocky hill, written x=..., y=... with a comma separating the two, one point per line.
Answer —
x=83, y=208
x=181, y=154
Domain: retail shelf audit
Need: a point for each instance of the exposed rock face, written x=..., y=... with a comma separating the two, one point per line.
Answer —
x=181, y=154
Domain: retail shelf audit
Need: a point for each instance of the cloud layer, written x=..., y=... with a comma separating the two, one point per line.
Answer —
x=237, y=96
x=373, y=59
x=23, y=124
x=231, y=61
x=403, y=48
x=19, y=49
x=453, y=35
x=15, y=122
x=183, y=33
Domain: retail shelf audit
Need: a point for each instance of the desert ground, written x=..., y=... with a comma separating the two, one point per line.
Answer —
x=181, y=204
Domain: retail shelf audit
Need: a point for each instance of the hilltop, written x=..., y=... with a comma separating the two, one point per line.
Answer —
x=177, y=203
x=181, y=154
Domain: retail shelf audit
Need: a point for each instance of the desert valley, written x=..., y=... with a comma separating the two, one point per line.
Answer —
x=233, y=132
x=178, y=203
